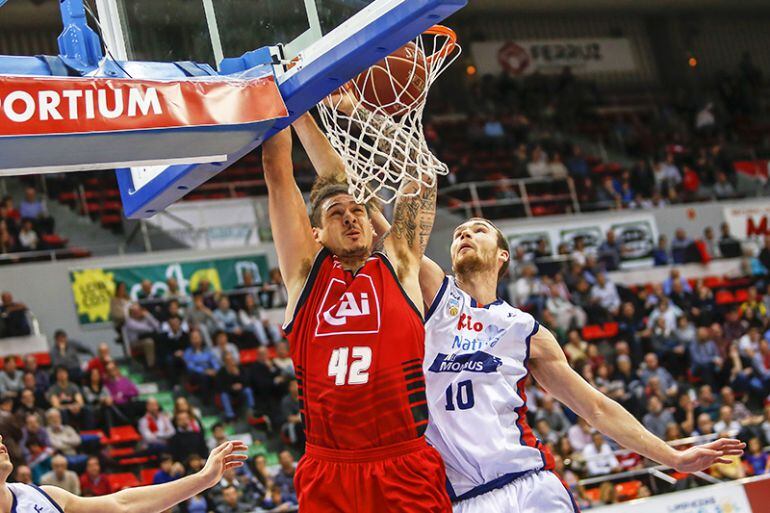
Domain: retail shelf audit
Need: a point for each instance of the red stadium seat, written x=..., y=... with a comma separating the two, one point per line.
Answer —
x=724, y=297
x=628, y=491
x=741, y=295
x=123, y=435
x=248, y=356
x=147, y=475
x=122, y=481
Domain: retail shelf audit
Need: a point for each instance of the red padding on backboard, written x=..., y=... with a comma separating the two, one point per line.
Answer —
x=46, y=106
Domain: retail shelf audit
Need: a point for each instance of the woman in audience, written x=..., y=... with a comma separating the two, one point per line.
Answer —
x=252, y=319
x=98, y=398
x=181, y=404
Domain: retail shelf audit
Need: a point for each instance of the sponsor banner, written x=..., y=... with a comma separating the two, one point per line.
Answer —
x=585, y=55
x=211, y=224
x=720, y=498
x=474, y=362
x=749, y=222
x=46, y=105
x=637, y=235
x=93, y=288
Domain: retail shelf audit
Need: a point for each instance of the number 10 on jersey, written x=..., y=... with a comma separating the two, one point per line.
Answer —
x=350, y=365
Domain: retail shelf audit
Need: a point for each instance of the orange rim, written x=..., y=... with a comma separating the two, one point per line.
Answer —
x=449, y=45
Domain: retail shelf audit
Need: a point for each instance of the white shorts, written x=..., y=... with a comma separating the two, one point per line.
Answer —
x=539, y=492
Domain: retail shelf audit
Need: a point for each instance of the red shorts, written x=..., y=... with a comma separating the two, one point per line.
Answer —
x=403, y=478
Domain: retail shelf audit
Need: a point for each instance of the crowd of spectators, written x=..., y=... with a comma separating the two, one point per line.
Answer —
x=51, y=417
x=22, y=229
x=679, y=360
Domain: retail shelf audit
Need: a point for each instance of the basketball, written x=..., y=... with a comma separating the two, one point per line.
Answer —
x=396, y=84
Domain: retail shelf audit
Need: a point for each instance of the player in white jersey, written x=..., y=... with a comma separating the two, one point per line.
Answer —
x=23, y=498
x=479, y=350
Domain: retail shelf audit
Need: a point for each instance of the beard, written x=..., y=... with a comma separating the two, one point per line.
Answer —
x=470, y=264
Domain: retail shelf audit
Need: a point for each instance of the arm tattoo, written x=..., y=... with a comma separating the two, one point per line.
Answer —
x=413, y=218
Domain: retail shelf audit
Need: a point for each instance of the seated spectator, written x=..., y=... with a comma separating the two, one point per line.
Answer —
x=202, y=365
x=538, y=163
x=610, y=252
x=64, y=439
x=226, y=318
x=23, y=475
x=13, y=317
x=142, y=330
x=28, y=239
x=123, y=391
x=707, y=402
x=605, y=294
x=100, y=361
x=753, y=303
x=657, y=419
x=200, y=316
x=729, y=246
x=544, y=432
x=661, y=255
x=704, y=355
x=98, y=398
x=231, y=502
x=283, y=361
x=552, y=412
x=146, y=291
x=42, y=379
x=222, y=346
x=576, y=349
x=65, y=354
x=579, y=435
x=169, y=471
x=275, y=500
x=7, y=241
x=726, y=423
x=680, y=246
x=61, y=477
x=566, y=314
x=218, y=436
x=174, y=340
x=292, y=419
x=181, y=404
x=34, y=440
x=119, y=304
x=185, y=441
x=723, y=189
x=93, y=483
x=66, y=397
x=33, y=208
x=233, y=385
x=757, y=457
x=284, y=478
x=28, y=406
x=253, y=319
x=599, y=456
x=11, y=383
x=668, y=312
x=652, y=369
x=526, y=292
x=274, y=293
x=155, y=426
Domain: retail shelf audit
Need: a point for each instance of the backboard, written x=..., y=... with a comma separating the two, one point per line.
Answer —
x=328, y=41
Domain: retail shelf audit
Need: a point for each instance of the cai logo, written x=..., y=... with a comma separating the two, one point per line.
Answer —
x=349, y=309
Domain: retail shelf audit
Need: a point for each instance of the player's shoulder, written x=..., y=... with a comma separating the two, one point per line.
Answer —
x=518, y=317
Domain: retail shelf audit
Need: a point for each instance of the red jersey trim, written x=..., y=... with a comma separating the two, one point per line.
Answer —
x=392, y=270
x=307, y=287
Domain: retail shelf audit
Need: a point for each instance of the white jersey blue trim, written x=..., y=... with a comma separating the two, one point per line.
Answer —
x=476, y=364
x=31, y=499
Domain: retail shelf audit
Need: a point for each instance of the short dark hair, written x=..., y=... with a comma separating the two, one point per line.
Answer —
x=166, y=457
x=59, y=333
x=325, y=188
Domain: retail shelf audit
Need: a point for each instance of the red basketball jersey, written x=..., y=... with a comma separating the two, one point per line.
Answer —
x=357, y=342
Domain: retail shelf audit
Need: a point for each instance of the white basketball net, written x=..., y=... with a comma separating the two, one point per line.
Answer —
x=383, y=146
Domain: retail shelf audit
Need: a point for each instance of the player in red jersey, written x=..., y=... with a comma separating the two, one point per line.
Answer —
x=355, y=327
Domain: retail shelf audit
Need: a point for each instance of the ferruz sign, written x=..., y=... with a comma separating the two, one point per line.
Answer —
x=750, y=222
x=31, y=106
x=587, y=55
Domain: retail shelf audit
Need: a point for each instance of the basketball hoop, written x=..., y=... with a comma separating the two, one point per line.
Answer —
x=375, y=121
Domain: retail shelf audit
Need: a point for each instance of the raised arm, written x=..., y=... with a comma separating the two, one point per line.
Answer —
x=550, y=368
x=292, y=233
x=156, y=498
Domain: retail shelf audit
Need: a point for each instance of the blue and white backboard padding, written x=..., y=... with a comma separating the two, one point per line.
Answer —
x=167, y=62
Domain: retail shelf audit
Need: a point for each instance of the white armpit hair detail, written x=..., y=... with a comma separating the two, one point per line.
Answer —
x=382, y=142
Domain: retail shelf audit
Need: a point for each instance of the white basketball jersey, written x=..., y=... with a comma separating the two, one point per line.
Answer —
x=475, y=372
x=31, y=499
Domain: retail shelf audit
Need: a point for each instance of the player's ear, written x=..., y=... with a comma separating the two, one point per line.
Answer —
x=503, y=255
x=317, y=234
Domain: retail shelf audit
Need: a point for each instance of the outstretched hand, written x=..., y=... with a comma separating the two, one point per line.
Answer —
x=226, y=456
x=702, y=457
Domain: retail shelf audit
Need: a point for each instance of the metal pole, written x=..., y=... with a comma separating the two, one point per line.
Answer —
x=475, y=200
x=573, y=194
x=525, y=198
x=145, y=236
